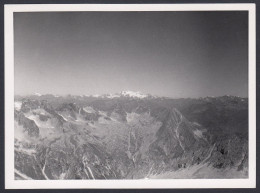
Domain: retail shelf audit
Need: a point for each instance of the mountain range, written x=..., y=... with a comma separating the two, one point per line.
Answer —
x=130, y=135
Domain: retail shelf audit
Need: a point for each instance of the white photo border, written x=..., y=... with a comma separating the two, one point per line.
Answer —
x=11, y=183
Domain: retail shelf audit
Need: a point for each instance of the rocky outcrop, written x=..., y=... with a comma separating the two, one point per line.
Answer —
x=29, y=125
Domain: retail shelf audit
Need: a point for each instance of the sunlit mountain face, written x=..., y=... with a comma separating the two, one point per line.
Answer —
x=130, y=135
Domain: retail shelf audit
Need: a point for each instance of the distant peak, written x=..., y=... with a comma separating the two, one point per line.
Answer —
x=124, y=94
x=37, y=94
x=134, y=94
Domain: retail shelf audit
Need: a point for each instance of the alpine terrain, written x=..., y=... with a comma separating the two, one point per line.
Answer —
x=130, y=135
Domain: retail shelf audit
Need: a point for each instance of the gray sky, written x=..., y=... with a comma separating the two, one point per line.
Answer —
x=176, y=54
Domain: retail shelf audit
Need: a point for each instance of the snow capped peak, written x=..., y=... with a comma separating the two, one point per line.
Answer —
x=37, y=94
x=123, y=93
x=17, y=105
x=96, y=95
x=134, y=94
x=112, y=96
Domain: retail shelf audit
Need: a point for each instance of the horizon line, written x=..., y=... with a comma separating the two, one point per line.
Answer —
x=118, y=93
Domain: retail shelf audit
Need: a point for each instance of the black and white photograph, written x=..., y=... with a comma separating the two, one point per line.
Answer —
x=136, y=95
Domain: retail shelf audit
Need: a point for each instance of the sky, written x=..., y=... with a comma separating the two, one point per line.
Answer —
x=173, y=54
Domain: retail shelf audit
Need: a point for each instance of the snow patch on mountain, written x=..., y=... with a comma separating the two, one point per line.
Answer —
x=38, y=122
x=89, y=109
x=17, y=105
x=65, y=119
x=110, y=96
x=41, y=112
x=130, y=117
x=133, y=94
x=96, y=95
x=24, y=176
x=198, y=133
x=37, y=94
x=121, y=94
x=25, y=150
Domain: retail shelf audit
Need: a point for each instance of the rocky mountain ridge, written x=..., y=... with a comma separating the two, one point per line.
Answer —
x=129, y=137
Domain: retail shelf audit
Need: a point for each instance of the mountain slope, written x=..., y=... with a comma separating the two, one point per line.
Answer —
x=130, y=137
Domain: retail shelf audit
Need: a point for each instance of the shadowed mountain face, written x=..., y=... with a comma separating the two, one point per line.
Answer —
x=130, y=137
